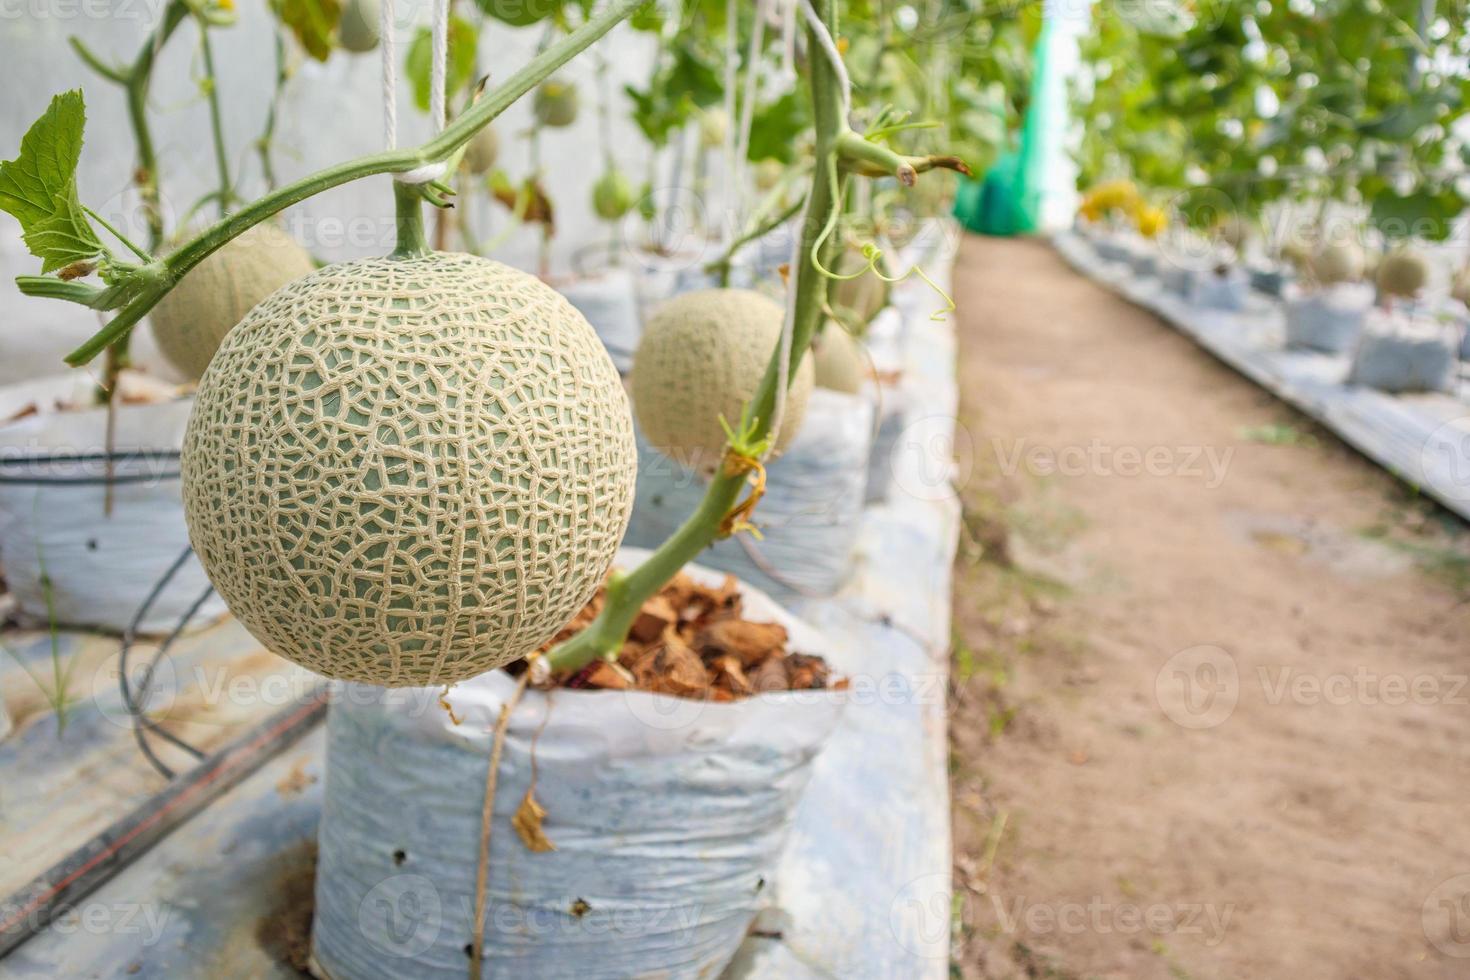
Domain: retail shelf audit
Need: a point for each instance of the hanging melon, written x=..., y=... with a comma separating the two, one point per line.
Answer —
x=612, y=196
x=409, y=471
x=714, y=125
x=555, y=103
x=1460, y=288
x=1402, y=272
x=191, y=320
x=359, y=27
x=702, y=354
x=481, y=152
x=838, y=360
x=1337, y=262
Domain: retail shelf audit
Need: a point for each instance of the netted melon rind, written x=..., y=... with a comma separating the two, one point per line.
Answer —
x=409, y=472
x=1338, y=262
x=702, y=354
x=191, y=320
x=1402, y=272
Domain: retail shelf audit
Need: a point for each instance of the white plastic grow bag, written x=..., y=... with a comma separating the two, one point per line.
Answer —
x=809, y=515
x=1178, y=280
x=1395, y=358
x=667, y=815
x=609, y=301
x=1329, y=319
x=100, y=567
x=1221, y=290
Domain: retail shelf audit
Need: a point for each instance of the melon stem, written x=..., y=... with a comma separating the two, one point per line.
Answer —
x=626, y=592
x=412, y=240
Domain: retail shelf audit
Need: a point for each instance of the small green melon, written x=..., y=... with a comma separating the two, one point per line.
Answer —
x=702, y=355
x=1402, y=272
x=768, y=174
x=713, y=127
x=358, y=29
x=838, y=360
x=481, y=152
x=1460, y=288
x=555, y=103
x=191, y=320
x=409, y=471
x=612, y=196
x=1338, y=262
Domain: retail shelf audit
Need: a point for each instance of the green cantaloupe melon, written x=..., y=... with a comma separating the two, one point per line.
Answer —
x=409, y=471
x=1460, y=288
x=555, y=103
x=191, y=320
x=1338, y=262
x=768, y=174
x=860, y=299
x=838, y=360
x=612, y=196
x=713, y=126
x=358, y=29
x=702, y=354
x=481, y=152
x=1402, y=272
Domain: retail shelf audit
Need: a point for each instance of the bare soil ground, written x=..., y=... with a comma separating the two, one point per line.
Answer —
x=1211, y=715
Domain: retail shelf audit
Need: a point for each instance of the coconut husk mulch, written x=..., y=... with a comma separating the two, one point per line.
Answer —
x=693, y=641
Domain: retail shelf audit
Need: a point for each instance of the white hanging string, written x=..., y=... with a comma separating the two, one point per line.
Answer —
x=829, y=46
x=733, y=196
x=752, y=76
x=788, y=40
x=437, y=79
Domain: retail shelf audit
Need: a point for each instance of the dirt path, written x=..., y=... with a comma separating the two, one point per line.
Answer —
x=1211, y=713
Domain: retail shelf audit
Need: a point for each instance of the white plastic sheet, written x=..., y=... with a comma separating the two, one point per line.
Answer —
x=100, y=567
x=668, y=817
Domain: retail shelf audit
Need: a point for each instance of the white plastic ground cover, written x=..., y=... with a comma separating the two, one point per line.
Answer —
x=668, y=817
x=1329, y=319
x=609, y=301
x=100, y=567
x=1394, y=359
x=808, y=517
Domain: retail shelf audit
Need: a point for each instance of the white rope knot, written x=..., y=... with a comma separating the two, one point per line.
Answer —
x=426, y=174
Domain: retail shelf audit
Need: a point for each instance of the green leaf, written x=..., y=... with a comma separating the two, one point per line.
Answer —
x=463, y=39
x=519, y=13
x=314, y=22
x=1422, y=214
x=39, y=186
x=775, y=127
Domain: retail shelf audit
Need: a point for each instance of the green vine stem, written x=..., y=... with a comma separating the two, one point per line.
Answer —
x=267, y=137
x=158, y=277
x=721, y=266
x=409, y=205
x=626, y=592
x=136, y=81
x=226, y=194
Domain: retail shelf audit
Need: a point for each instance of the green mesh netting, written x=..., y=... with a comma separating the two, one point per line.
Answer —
x=1008, y=200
